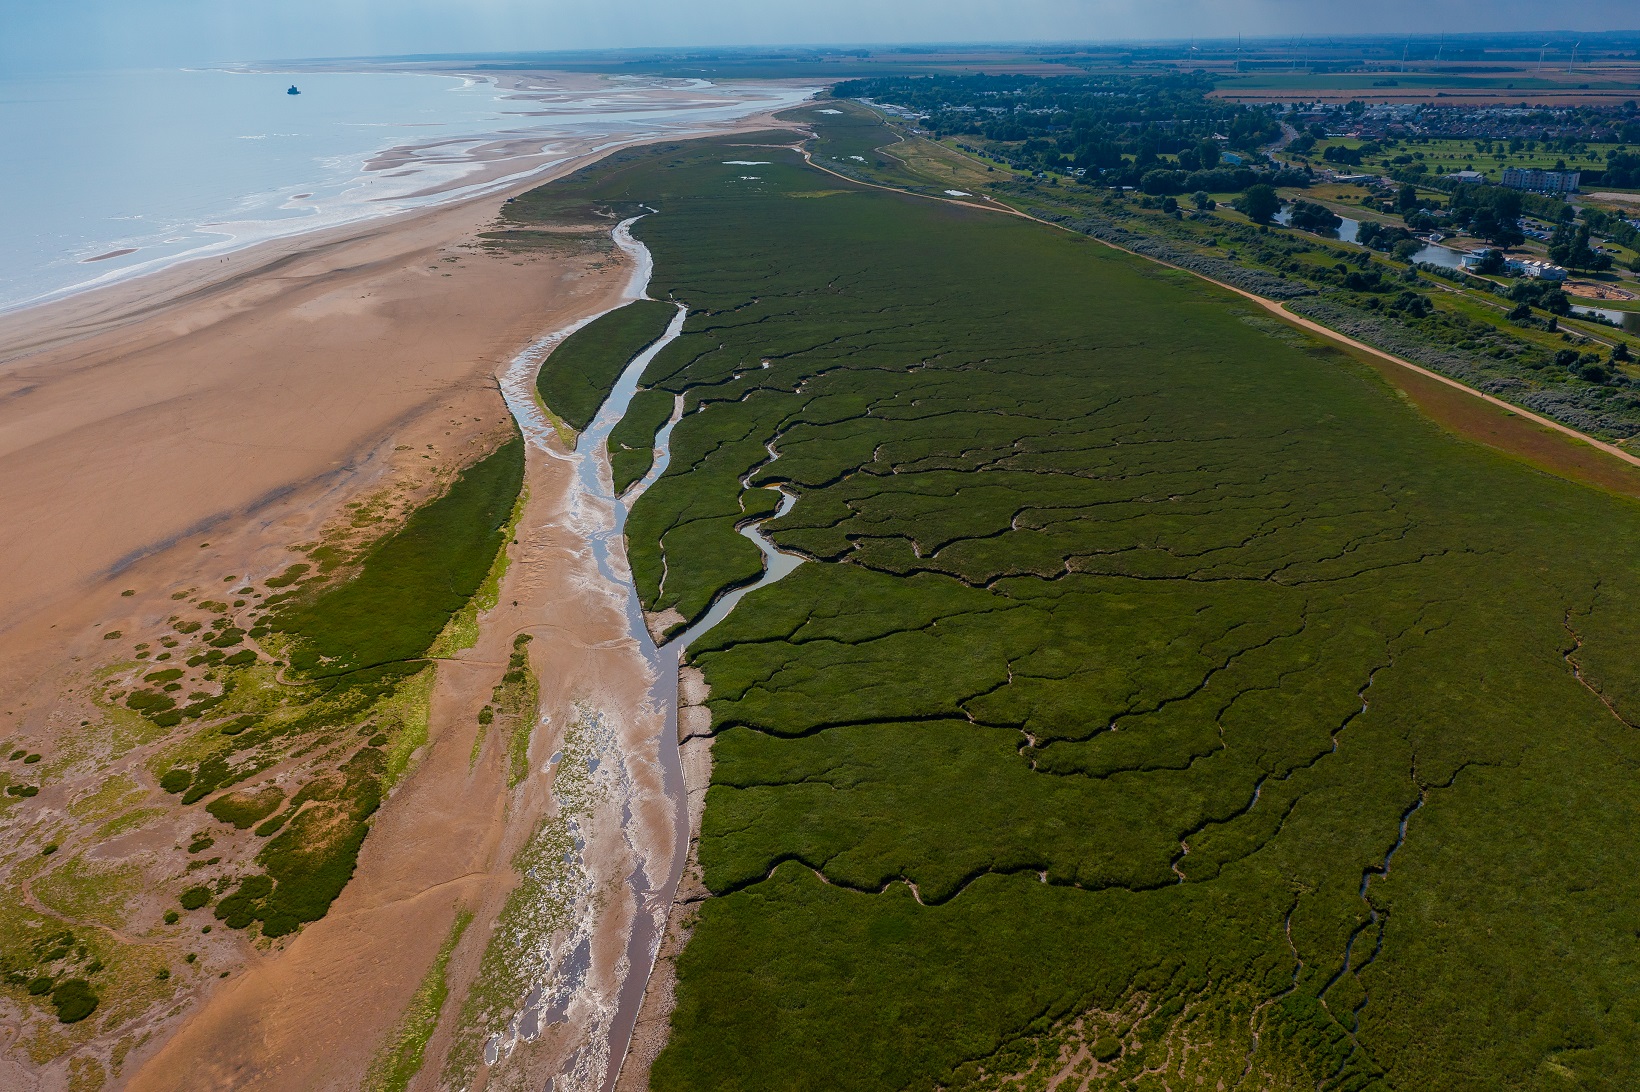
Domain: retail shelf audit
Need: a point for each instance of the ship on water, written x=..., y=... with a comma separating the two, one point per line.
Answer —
x=293, y=90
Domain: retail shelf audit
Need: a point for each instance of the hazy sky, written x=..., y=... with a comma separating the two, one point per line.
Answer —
x=37, y=34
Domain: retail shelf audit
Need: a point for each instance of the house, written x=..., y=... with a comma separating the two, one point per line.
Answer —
x=1468, y=176
x=1542, y=271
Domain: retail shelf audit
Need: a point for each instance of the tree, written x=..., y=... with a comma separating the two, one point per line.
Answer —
x=1407, y=200
x=1308, y=216
x=1491, y=263
x=1573, y=249
x=1407, y=249
x=1203, y=200
x=1560, y=244
x=1259, y=204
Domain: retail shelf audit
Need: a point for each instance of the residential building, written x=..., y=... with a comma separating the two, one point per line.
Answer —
x=1525, y=178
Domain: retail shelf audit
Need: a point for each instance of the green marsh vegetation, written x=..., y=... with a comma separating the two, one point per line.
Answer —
x=632, y=441
x=577, y=376
x=409, y=584
x=1160, y=673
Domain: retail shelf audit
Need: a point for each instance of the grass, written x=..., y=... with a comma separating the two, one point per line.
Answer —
x=1155, y=659
x=461, y=632
x=632, y=442
x=409, y=584
x=516, y=700
x=578, y=375
x=1446, y=156
x=401, y=1057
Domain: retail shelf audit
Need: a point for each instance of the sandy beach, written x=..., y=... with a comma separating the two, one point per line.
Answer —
x=166, y=432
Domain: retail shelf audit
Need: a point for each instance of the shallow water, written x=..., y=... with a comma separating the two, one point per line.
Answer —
x=112, y=174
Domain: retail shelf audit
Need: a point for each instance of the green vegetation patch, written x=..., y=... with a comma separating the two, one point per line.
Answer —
x=516, y=701
x=409, y=584
x=577, y=376
x=632, y=442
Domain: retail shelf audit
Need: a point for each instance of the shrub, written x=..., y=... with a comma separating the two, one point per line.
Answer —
x=241, y=658
x=194, y=897
x=176, y=780
x=74, y=1000
x=149, y=702
x=244, y=906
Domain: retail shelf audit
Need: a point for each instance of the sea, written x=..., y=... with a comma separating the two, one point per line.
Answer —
x=117, y=173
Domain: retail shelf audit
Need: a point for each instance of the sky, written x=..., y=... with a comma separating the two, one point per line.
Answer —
x=67, y=34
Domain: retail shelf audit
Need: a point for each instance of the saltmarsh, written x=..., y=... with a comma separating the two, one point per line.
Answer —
x=576, y=378
x=1154, y=665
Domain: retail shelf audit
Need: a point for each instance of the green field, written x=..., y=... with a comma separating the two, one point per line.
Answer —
x=1447, y=156
x=1371, y=82
x=577, y=376
x=1165, y=685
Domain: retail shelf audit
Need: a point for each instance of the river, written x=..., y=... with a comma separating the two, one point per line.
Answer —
x=593, y=488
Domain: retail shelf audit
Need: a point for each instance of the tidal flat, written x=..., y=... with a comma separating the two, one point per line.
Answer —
x=1168, y=696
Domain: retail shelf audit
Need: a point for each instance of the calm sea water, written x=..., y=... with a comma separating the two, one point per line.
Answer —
x=178, y=164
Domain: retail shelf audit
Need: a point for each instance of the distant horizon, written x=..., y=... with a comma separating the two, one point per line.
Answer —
x=113, y=33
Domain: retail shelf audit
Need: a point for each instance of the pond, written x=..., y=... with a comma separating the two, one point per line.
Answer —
x=1628, y=321
x=1445, y=257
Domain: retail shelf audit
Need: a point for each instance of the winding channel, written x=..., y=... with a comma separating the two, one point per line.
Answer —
x=593, y=486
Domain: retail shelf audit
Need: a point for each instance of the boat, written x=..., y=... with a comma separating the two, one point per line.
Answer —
x=293, y=90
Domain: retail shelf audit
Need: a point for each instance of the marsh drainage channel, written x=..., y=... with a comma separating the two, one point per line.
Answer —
x=593, y=482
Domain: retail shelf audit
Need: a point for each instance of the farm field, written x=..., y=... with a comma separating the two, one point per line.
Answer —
x=1165, y=695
